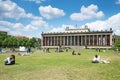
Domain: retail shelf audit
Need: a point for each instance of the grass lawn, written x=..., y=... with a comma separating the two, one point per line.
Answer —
x=61, y=66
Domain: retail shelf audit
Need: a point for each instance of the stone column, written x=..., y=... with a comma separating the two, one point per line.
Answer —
x=64, y=40
x=81, y=40
x=78, y=40
x=74, y=41
x=60, y=40
x=93, y=40
x=67, y=40
x=110, y=39
x=44, y=40
x=89, y=40
x=47, y=41
x=85, y=41
x=97, y=41
x=57, y=42
x=54, y=41
x=105, y=40
x=71, y=40
x=50, y=40
x=101, y=40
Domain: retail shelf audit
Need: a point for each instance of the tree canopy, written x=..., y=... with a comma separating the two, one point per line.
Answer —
x=117, y=43
x=13, y=41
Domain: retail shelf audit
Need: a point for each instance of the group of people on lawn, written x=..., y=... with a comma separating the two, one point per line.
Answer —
x=96, y=59
x=11, y=59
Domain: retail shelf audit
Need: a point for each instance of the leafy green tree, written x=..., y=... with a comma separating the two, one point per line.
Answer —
x=2, y=38
x=12, y=41
x=117, y=43
x=5, y=42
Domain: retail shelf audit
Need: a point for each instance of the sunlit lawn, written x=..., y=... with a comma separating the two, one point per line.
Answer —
x=61, y=66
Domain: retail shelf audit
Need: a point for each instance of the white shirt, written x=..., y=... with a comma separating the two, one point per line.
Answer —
x=96, y=59
x=8, y=60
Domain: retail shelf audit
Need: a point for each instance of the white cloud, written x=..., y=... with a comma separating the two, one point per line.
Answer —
x=118, y=2
x=20, y=29
x=16, y=33
x=11, y=28
x=50, y=12
x=4, y=29
x=9, y=9
x=87, y=13
x=6, y=24
x=36, y=24
x=36, y=1
x=39, y=23
x=18, y=25
x=112, y=22
x=30, y=27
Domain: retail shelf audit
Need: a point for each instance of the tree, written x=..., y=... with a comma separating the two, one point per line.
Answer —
x=12, y=41
x=7, y=42
x=2, y=38
x=4, y=43
x=117, y=43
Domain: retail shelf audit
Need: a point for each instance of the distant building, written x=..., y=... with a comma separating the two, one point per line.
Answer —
x=78, y=38
x=21, y=37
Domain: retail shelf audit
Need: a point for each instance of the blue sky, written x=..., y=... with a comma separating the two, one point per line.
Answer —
x=32, y=17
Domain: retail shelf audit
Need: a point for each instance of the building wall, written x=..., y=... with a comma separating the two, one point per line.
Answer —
x=101, y=39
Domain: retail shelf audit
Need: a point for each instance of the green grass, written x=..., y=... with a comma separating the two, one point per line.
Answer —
x=61, y=66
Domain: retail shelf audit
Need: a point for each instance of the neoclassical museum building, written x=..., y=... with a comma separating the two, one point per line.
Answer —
x=83, y=38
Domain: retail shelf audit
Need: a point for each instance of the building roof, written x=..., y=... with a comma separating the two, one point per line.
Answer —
x=84, y=30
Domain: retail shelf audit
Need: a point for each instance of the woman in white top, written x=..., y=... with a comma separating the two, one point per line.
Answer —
x=10, y=60
x=96, y=59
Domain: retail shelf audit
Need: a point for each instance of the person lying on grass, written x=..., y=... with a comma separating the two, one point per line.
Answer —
x=97, y=59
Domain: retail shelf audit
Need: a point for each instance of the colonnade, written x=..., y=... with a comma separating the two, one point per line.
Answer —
x=77, y=40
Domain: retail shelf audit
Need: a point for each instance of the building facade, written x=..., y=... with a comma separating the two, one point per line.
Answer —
x=78, y=38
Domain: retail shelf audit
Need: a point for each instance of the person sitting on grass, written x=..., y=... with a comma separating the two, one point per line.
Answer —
x=79, y=53
x=10, y=60
x=96, y=59
x=73, y=53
